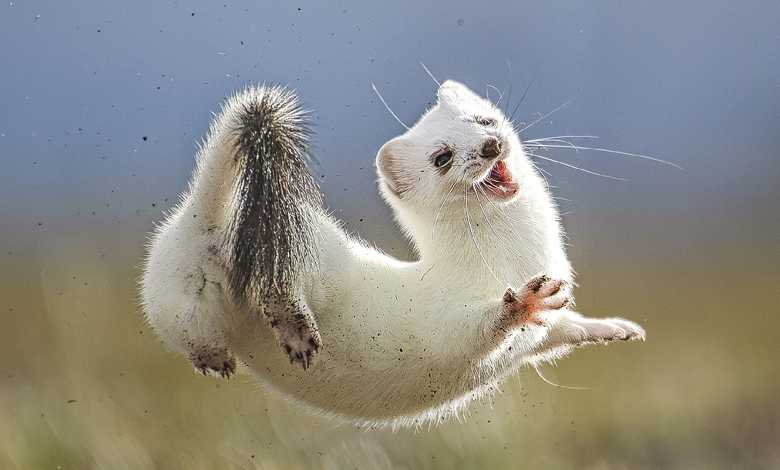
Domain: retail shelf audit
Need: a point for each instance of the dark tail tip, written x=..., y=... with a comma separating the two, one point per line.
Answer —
x=271, y=231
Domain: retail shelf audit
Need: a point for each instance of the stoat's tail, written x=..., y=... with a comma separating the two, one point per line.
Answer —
x=270, y=236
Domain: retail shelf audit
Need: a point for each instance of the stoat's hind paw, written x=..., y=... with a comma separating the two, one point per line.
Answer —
x=539, y=294
x=300, y=344
x=213, y=359
x=294, y=328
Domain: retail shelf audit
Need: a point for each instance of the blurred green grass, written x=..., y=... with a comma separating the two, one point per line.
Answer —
x=84, y=383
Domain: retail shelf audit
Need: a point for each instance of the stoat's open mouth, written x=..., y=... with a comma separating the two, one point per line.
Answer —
x=500, y=183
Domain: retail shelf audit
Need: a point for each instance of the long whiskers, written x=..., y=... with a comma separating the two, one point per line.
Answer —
x=509, y=219
x=512, y=116
x=560, y=142
x=441, y=208
x=487, y=94
x=388, y=107
x=577, y=168
x=430, y=74
x=536, y=367
x=490, y=224
x=474, y=235
x=542, y=172
x=520, y=129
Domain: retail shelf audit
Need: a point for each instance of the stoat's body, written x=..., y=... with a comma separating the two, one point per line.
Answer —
x=249, y=261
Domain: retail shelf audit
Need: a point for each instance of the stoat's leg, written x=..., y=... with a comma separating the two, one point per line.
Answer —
x=572, y=329
x=539, y=294
x=567, y=328
x=184, y=302
x=541, y=304
x=208, y=350
x=213, y=358
x=294, y=327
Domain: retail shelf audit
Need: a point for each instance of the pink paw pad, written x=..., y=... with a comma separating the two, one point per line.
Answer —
x=539, y=294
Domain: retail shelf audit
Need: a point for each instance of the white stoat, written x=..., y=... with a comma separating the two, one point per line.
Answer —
x=250, y=261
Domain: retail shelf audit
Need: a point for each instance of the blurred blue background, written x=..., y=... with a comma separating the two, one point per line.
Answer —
x=103, y=104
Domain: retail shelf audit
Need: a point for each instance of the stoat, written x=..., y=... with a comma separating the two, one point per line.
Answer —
x=249, y=268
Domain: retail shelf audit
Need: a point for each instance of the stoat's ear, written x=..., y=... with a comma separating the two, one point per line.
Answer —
x=451, y=90
x=389, y=163
x=455, y=94
x=450, y=87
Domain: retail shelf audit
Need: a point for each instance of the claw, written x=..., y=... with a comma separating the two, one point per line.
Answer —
x=536, y=283
x=294, y=328
x=213, y=360
x=551, y=288
x=539, y=294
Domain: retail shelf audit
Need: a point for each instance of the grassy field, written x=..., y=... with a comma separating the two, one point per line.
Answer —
x=84, y=384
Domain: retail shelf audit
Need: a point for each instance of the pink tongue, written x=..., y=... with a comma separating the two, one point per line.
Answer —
x=500, y=174
x=500, y=180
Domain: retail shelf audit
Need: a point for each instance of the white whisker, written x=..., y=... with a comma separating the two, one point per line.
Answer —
x=569, y=145
x=474, y=235
x=556, y=137
x=499, y=207
x=490, y=224
x=441, y=208
x=509, y=92
x=536, y=367
x=500, y=95
x=542, y=117
x=512, y=116
x=388, y=107
x=430, y=74
x=544, y=173
x=578, y=168
x=544, y=141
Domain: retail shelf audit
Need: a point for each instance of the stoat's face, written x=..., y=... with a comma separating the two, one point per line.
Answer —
x=463, y=148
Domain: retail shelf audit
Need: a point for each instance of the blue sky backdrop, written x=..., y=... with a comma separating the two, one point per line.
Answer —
x=102, y=103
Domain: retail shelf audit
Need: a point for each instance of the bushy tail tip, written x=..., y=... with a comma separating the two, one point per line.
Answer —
x=271, y=234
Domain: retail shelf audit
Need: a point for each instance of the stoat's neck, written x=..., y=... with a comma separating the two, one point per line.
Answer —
x=491, y=246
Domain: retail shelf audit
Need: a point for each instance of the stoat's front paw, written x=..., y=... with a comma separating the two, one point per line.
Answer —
x=539, y=294
x=210, y=358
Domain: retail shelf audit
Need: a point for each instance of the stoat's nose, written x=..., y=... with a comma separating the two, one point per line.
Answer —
x=491, y=148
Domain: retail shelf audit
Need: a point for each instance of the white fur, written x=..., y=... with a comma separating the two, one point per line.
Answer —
x=403, y=342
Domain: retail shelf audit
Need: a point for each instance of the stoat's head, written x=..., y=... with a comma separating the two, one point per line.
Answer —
x=464, y=147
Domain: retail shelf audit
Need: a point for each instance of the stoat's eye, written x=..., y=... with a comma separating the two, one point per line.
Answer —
x=443, y=158
x=485, y=121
